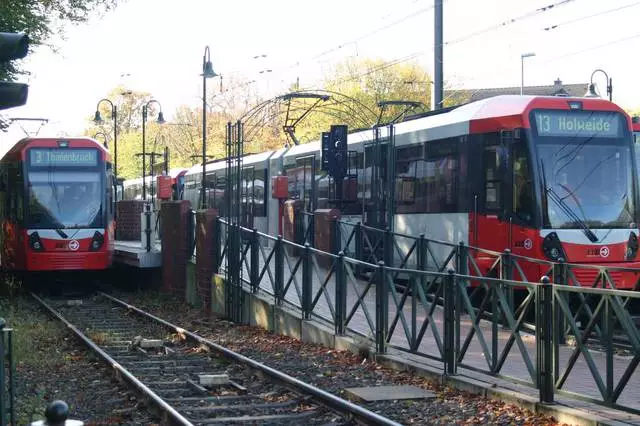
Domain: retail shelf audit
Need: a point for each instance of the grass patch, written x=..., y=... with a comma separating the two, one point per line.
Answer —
x=36, y=337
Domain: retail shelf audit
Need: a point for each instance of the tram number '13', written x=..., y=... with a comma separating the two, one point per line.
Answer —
x=544, y=123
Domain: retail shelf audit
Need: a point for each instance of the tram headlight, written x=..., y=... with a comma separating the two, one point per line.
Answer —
x=552, y=247
x=96, y=241
x=632, y=247
x=35, y=243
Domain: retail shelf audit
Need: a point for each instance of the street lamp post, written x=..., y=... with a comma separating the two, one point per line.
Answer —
x=591, y=90
x=144, y=156
x=524, y=55
x=106, y=139
x=114, y=116
x=207, y=72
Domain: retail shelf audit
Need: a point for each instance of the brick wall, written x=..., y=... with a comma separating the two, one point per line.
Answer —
x=293, y=219
x=323, y=232
x=128, y=222
x=175, y=246
x=206, y=252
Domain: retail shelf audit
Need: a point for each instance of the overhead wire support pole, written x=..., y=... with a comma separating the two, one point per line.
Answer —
x=438, y=56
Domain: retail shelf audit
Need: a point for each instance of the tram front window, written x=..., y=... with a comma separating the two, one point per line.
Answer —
x=585, y=161
x=65, y=200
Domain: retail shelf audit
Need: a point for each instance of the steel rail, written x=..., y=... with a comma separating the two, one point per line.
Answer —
x=326, y=398
x=174, y=416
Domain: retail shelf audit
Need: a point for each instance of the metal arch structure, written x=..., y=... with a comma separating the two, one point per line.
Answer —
x=409, y=106
x=294, y=108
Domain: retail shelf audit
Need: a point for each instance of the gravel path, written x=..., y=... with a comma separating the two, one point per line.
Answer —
x=335, y=370
x=51, y=364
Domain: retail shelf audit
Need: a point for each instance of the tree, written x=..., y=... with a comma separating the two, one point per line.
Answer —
x=129, y=106
x=357, y=86
x=42, y=19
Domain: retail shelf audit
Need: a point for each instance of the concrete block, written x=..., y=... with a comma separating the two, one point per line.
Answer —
x=213, y=379
x=345, y=343
x=389, y=393
x=288, y=323
x=261, y=313
x=312, y=332
x=151, y=343
x=218, y=294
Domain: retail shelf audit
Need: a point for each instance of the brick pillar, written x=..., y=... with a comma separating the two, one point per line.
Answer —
x=206, y=251
x=324, y=219
x=128, y=222
x=175, y=245
x=293, y=226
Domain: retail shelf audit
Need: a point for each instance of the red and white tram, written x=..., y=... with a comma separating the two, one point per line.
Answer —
x=56, y=206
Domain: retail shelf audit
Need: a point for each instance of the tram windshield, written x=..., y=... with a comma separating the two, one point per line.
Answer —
x=65, y=200
x=585, y=161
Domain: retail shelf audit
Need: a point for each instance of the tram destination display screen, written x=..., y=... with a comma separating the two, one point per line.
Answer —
x=572, y=123
x=47, y=157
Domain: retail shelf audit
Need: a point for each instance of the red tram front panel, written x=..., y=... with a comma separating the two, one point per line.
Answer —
x=57, y=209
x=572, y=160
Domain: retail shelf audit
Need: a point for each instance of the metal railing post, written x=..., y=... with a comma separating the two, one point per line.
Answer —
x=279, y=273
x=147, y=230
x=544, y=340
x=382, y=309
x=359, y=246
x=388, y=247
x=463, y=269
x=307, y=282
x=341, y=294
x=254, y=273
x=560, y=277
x=217, y=250
x=335, y=236
x=450, y=367
x=507, y=274
x=12, y=375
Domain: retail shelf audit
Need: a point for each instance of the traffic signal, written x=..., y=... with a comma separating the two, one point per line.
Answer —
x=13, y=46
x=338, y=160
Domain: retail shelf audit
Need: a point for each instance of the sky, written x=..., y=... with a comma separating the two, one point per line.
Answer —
x=157, y=46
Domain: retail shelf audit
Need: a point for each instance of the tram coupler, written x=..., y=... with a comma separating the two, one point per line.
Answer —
x=56, y=414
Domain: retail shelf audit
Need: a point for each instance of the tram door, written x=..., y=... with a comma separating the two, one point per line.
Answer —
x=307, y=193
x=247, y=198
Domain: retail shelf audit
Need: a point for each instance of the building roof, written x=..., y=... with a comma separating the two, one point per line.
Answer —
x=557, y=89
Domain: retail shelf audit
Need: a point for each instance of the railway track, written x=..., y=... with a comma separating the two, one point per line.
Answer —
x=192, y=381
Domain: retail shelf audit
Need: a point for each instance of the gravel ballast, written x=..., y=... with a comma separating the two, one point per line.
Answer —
x=334, y=370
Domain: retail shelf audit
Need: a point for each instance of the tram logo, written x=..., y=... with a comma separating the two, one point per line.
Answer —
x=604, y=251
x=74, y=245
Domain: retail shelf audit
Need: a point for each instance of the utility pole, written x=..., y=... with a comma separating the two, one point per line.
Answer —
x=438, y=41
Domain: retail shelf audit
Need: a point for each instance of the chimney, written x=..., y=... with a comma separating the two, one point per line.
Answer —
x=558, y=82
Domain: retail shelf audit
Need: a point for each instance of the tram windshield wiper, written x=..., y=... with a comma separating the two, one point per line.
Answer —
x=572, y=215
x=61, y=233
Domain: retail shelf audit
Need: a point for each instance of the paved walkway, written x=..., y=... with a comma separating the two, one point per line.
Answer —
x=580, y=380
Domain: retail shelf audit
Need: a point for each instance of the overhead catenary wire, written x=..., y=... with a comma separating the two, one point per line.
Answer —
x=593, y=15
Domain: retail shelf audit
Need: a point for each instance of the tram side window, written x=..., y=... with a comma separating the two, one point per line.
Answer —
x=411, y=172
x=492, y=182
x=259, y=194
x=441, y=176
x=305, y=179
x=523, y=200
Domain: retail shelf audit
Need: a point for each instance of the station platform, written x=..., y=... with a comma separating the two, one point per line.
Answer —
x=134, y=253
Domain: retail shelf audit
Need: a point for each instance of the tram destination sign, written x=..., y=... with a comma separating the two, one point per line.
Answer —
x=601, y=124
x=48, y=157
